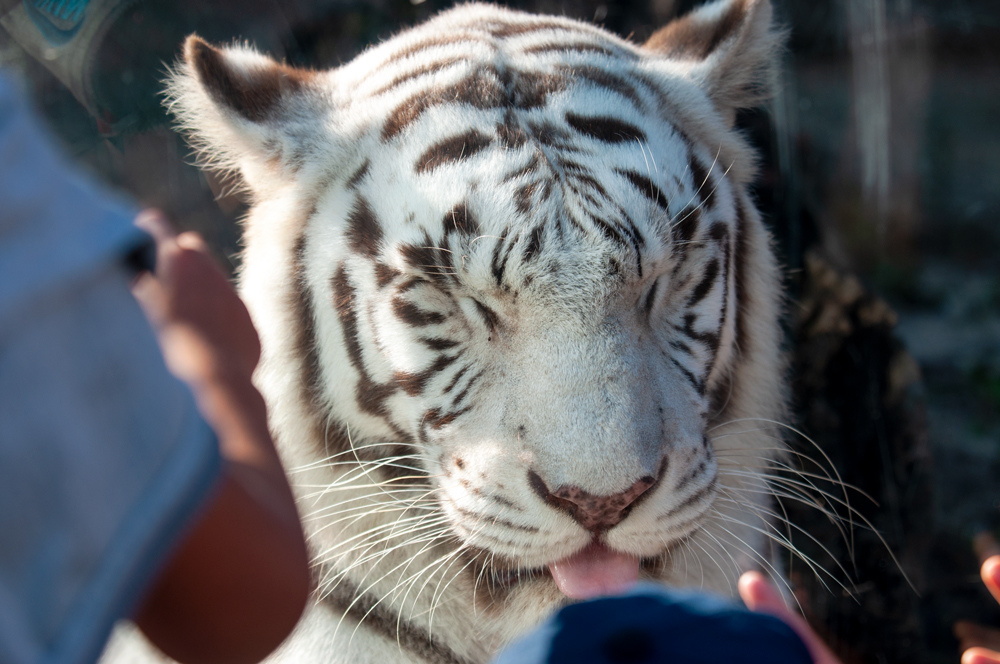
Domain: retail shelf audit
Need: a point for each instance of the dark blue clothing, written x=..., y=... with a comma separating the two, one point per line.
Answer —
x=654, y=625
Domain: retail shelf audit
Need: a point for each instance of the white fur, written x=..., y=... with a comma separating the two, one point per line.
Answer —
x=596, y=387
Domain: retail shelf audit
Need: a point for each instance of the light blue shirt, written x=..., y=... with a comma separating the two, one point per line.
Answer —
x=104, y=459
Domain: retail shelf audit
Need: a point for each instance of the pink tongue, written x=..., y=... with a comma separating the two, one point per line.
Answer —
x=595, y=571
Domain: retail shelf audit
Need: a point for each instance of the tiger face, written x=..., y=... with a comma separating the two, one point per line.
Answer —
x=515, y=304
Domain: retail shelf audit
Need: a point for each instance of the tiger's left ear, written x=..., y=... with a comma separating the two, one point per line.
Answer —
x=246, y=112
x=731, y=47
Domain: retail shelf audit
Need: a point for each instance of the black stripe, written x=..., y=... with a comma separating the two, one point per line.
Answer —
x=306, y=348
x=515, y=29
x=548, y=133
x=646, y=186
x=718, y=231
x=347, y=599
x=703, y=184
x=698, y=385
x=531, y=89
x=481, y=90
x=460, y=220
x=726, y=267
x=431, y=260
x=530, y=167
x=568, y=48
x=705, y=285
x=452, y=150
x=497, y=265
x=489, y=316
x=522, y=197
x=370, y=395
x=509, y=132
x=650, y=298
x=359, y=174
x=385, y=274
x=364, y=233
x=610, y=231
x=681, y=346
x=417, y=73
x=413, y=383
x=534, y=244
x=457, y=377
x=593, y=184
x=604, y=79
x=465, y=390
x=432, y=42
x=435, y=419
x=604, y=128
x=743, y=302
x=437, y=343
x=698, y=495
x=710, y=339
x=683, y=230
x=412, y=315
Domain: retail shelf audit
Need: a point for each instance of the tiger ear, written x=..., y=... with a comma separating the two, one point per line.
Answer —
x=241, y=109
x=731, y=47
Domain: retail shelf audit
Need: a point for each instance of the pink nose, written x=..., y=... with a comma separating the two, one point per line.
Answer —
x=594, y=513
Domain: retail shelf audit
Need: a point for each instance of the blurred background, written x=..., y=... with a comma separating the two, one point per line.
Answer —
x=878, y=181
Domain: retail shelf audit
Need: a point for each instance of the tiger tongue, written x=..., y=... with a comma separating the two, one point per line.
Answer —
x=594, y=571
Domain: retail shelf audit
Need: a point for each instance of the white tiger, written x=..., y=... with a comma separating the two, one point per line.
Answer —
x=518, y=312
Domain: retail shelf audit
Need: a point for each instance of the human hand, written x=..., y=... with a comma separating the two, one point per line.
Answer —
x=203, y=325
x=980, y=644
x=761, y=596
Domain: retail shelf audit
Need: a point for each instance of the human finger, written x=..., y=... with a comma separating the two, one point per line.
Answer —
x=155, y=223
x=990, y=573
x=201, y=296
x=761, y=596
x=972, y=635
x=980, y=656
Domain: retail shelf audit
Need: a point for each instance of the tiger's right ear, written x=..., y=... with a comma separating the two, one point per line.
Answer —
x=244, y=111
x=729, y=48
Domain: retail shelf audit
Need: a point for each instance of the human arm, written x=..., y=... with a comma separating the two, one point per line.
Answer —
x=238, y=582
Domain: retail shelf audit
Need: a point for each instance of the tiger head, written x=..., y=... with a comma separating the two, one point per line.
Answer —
x=515, y=303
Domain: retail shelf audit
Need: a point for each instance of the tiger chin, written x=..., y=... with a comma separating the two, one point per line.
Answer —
x=519, y=315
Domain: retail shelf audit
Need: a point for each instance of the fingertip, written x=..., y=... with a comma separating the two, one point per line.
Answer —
x=758, y=592
x=748, y=583
x=991, y=569
x=192, y=240
x=154, y=222
x=980, y=656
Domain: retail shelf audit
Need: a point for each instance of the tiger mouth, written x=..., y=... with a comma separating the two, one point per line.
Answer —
x=498, y=577
x=507, y=579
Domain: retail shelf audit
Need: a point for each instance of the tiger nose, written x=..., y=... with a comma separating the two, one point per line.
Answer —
x=593, y=512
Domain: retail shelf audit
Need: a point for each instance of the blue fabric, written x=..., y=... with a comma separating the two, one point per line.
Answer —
x=660, y=626
x=55, y=224
x=104, y=457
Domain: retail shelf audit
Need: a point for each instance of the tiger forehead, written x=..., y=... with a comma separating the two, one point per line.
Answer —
x=539, y=194
x=525, y=144
x=516, y=64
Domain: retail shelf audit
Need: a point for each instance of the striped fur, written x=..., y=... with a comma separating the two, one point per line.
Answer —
x=497, y=250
